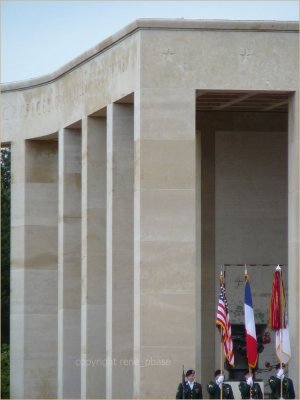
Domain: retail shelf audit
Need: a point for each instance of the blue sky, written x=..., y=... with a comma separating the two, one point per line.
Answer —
x=37, y=37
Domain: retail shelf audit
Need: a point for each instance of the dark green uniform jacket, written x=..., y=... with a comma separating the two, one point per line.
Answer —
x=214, y=391
x=245, y=391
x=288, y=391
x=196, y=393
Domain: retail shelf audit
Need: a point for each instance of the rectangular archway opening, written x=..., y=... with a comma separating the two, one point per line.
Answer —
x=242, y=216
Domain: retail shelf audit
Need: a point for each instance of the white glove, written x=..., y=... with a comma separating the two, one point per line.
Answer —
x=280, y=374
x=220, y=379
x=250, y=381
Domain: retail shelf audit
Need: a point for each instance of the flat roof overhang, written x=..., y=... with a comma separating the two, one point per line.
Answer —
x=258, y=101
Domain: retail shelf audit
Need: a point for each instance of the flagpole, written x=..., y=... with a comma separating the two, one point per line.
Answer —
x=183, y=382
x=253, y=382
x=221, y=346
x=246, y=273
x=250, y=371
x=280, y=332
x=221, y=362
x=281, y=380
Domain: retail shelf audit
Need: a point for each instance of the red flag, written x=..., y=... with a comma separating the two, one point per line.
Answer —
x=223, y=321
x=278, y=318
x=277, y=305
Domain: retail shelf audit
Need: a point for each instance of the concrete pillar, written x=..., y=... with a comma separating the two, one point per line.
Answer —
x=165, y=240
x=205, y=265
x=120, y=248
x=17, y=271
x=93, y=259
x=293, y=236
x=69, y=263
x=34, y=218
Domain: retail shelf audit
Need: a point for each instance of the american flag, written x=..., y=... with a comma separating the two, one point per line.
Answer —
x=223, y=321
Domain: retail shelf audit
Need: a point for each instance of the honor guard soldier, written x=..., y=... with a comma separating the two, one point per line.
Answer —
x=288, y=391
x=250, y=389
x=214, y=387
x=189, y=389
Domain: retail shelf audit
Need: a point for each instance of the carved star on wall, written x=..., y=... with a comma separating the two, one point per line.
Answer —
x=246, y=54
x=168, y=53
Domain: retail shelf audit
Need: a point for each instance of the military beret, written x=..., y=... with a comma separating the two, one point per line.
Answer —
x=217, y=372
x=190, y=372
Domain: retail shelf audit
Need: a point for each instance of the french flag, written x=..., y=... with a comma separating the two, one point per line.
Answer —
x=251, y=341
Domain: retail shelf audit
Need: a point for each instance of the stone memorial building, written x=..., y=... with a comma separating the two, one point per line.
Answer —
x=138, y=169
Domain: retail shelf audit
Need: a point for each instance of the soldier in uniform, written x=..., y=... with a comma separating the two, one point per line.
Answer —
x=249, y=388
x=288, y=391
x=214, y=387
x=190, y=389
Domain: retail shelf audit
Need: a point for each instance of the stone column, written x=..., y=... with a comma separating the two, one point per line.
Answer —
x=205, y=261
x=293, y=236
x=34, y=217
x=165, y=240
x=93, y=256
x=69, y=263
x=17, y=271
x=120, y=250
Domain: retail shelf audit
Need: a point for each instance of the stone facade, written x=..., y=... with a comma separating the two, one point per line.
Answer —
x=137, y=169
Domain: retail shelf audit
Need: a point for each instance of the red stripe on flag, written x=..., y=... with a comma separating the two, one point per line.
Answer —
x=251, y=350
